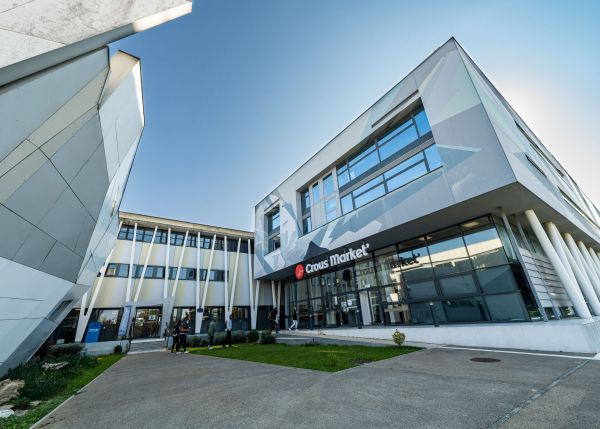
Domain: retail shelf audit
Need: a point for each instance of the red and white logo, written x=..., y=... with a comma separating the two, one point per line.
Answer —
x=299, y=271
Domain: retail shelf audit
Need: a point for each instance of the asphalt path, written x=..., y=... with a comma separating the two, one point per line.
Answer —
x=433, y=388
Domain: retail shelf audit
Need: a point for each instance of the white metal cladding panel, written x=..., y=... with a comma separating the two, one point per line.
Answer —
x=545, y=280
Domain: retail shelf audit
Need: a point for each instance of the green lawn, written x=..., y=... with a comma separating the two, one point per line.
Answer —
x=78, y=379
x=319, y=357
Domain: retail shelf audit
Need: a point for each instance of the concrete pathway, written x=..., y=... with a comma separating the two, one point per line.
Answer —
x=432, y=388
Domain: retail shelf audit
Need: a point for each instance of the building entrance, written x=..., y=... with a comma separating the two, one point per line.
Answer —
x=146, y=323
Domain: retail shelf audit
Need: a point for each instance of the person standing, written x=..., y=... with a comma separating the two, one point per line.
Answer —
x=184, y=328
x=294, y=326
x=273, y=321
x=228, y=327
x=176, y=330
x=212, y=327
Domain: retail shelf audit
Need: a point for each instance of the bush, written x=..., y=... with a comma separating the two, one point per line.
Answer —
x=71, y=349
x=118, y=349
x=252, y=336
x=398, y=337
x=21, y=403
x=42, y=384
x=266, y=338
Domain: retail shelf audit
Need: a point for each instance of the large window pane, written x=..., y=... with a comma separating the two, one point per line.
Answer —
x=359, y=165
x=407, y=176
x=343, y=176
x=306, y=225
x=422, y=122
x=370, y=195
x=464, y=310
x=433, y=157
x=347, y=205
x=315, y=287
x=415, y=264
x=365, y=274
x=388, y=269
x=422, y=289
x=458, y=285
x=485, y=248
x=302, y=290
x=397, y=143
x=506, y=308
x=404, y=165
x=421, y=312
x=449, y=256
x=330, y=210
x=328, y=185
x=498, y=279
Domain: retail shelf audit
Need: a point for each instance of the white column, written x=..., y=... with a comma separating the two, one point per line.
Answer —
x=571, y=287
x=578, y=279
x=234, y=281
x=131, y=258
x=167, y=259
x=582, y=278
x=226, y=275
x=139, y=287
x=594, y=258
x=250, y=291
x=278, y=301
x=86, y=318
x=588, y=260
x=273, y=296
x=210, y=260
x=254, y=310
x=594, y=280
x=81, y=323
x=198, y=320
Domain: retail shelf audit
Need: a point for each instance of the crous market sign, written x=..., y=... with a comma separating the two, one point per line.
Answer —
x=333, y=260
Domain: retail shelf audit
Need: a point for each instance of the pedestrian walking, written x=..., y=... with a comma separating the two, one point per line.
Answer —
x=212, y=328
x=176, y=330
x=294, y=326
x=273, y=321
x=228, y=327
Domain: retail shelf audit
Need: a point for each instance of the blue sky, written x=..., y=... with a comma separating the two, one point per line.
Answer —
x=240, y=93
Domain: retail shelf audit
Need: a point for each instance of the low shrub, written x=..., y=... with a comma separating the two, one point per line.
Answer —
x=398, y=337
x=252, y=336
x=71, y=349
x=42, y=384
x=266, y=338
x=21, y=403
x=118, y=349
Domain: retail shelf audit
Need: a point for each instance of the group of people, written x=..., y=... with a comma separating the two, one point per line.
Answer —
x=182, y=328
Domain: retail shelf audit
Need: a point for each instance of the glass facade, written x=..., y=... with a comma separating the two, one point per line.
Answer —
x=463, y=274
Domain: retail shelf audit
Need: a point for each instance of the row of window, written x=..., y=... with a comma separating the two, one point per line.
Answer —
x=177, y=239
x=158, y=272
x=319, y=202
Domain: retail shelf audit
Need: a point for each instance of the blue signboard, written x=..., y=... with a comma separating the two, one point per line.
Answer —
x=93, y=332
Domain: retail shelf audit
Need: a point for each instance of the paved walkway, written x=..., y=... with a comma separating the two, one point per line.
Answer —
x=430, y=388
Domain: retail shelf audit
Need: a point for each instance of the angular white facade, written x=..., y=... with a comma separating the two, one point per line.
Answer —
x=71, y=120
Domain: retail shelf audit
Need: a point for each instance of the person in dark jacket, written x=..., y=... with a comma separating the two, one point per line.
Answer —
x=176, y=330
x=273, y=321
x=184, y=328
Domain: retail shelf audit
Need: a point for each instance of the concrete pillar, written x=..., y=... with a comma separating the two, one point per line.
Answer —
x=569, y=262
x=594, y=280
x=594, y=258
x=570, y=286
x=588, y=260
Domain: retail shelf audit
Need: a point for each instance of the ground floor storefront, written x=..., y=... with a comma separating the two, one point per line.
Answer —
x=467, y=273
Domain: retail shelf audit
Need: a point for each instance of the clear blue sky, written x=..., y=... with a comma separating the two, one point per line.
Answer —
x=240, y=93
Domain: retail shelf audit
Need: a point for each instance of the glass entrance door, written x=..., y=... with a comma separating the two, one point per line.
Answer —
x=147, y=322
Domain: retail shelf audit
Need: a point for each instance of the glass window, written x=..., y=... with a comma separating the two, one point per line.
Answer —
x=485, y=248
x=302, y=289
x=397, y=142
x=370, y=195
x=347, y=205
x=365, y=274
x=328, y=185
x=433, y=157
x=449, y=256
x=464, y=310
x=422, y=312
x=273, y=220
x=306, y=225
x=274, y=243
x=506, y=307
x=458, y=285
x=408, y=176
x=305, y=200
x=404, y=165
x=363, y=162
x=388, y=269
x=497, y=279
x=316, y=193
x=330, y=210
x=343, y=176
x=421, y=289
x=315, y=287
x=422, y=123
x=415, y=263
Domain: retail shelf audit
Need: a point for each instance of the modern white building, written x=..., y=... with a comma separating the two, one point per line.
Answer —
x=164, y=270
x=71, y=120
x=438, y=210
